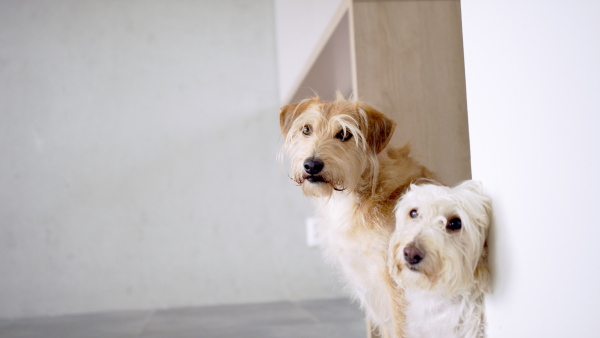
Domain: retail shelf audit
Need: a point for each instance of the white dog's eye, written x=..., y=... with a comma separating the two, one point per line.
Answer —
x=343, y=135
x=307, y=130
x=454, y=224
x=413, y=213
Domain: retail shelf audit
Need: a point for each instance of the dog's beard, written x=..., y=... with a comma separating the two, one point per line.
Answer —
x=431, y=273
x=342, y=173
x=320, y=185
x=425, y=276
x=320, y=188
x=442, y=272
x=326, y=183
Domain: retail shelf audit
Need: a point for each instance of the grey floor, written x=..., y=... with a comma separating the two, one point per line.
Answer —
x=306, y=319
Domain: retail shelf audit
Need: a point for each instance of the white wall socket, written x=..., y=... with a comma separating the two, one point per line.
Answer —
x=312, y=237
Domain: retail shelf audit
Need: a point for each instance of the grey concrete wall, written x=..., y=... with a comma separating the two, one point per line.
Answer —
x=137, y=159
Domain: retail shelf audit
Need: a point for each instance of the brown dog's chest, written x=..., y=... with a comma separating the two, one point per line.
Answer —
x=346, y=237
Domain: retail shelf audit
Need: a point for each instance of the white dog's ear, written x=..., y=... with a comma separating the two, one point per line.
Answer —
x=482, y=275
x=480, y=198
x=379, y=128
x=474, y=186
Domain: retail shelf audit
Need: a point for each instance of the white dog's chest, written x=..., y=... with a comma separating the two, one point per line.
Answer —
x=428, y=316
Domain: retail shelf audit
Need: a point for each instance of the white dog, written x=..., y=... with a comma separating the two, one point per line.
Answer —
x=438, y=254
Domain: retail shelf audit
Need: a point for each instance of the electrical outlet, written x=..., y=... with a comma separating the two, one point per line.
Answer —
x=312, y=237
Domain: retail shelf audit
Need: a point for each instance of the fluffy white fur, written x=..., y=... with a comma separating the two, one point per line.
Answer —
x=443, y=270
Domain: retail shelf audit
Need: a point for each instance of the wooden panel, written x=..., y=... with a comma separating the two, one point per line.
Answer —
x=410, y=66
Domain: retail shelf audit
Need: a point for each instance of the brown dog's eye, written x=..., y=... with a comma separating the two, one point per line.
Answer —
x=307, y=130
x=413, y=213
x=454, y=225
x=344, y=135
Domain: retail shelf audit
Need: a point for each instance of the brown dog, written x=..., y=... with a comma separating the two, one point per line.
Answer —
x=337, y=156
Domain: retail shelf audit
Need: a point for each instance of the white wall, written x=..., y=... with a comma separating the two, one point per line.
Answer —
x=302, y=29
x=137, y=159
x=533, y=84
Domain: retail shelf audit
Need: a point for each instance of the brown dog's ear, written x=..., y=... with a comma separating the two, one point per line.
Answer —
x=379, y=128
x=286, y=117
x=482, y=275
x=289, y=113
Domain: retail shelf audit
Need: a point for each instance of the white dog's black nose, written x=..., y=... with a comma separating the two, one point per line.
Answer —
x=313, y=166
x=412, y=255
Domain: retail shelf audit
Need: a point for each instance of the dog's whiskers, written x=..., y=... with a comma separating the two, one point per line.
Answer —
x=298, y=182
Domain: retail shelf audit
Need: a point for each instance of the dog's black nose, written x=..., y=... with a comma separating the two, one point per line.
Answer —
x=313, y=166
x=412, y=255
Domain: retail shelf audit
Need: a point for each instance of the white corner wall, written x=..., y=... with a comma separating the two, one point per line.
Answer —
x=137, y=159
x=533, y=84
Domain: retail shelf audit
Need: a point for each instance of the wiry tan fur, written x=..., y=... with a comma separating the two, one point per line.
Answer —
x=361, y=182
